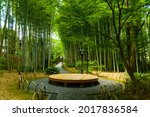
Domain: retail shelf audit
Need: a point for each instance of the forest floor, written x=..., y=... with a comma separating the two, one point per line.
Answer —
x=142, y=87
x=9, y=87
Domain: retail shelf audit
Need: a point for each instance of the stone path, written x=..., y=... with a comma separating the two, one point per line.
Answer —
x=57, y=92
x=61, y=69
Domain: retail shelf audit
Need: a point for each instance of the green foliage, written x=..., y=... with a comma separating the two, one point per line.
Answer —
x=57, y=49
x=138, y=89
x=78, y=64
x=140, y=86
x=52, y=70
x=91, y=24
x=96, y=24
x=3, y=63
x=92, y=65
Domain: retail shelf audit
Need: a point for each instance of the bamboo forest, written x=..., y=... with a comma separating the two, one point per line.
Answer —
x=109, y=39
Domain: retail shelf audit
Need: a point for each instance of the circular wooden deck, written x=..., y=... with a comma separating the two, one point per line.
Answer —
x=79, y=79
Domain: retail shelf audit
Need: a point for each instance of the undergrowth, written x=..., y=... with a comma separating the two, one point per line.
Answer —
x=9, y=89
x=136, y=90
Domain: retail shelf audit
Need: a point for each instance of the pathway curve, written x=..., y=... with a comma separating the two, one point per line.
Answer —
x=56, y=92
x=61, y=69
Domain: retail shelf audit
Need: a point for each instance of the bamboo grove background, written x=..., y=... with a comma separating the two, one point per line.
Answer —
x=114, y=34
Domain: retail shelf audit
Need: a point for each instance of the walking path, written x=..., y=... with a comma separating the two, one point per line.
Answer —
x=56, y=92
x=61, y=69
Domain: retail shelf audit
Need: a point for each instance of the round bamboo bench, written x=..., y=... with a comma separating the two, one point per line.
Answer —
x=73, y=79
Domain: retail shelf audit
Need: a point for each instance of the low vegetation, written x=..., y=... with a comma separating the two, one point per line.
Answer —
x=52, y=70
x=9, y=89
x=137, y=90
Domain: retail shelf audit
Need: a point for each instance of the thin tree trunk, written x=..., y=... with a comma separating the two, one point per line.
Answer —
x=0, y=17
x=114, y=65
x=8, y=40
x=96, y=49
x=147, y=33
x=44, y=38
x=4, y=29
x=49, y=47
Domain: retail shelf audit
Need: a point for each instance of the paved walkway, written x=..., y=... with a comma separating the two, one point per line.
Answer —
x=56, y=92
x=61, y=69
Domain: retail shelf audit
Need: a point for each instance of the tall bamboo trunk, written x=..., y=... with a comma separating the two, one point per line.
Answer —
x=0, y=18
x=8, y=42
x=4, y=29
x=49, y=48
x=43, y=59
